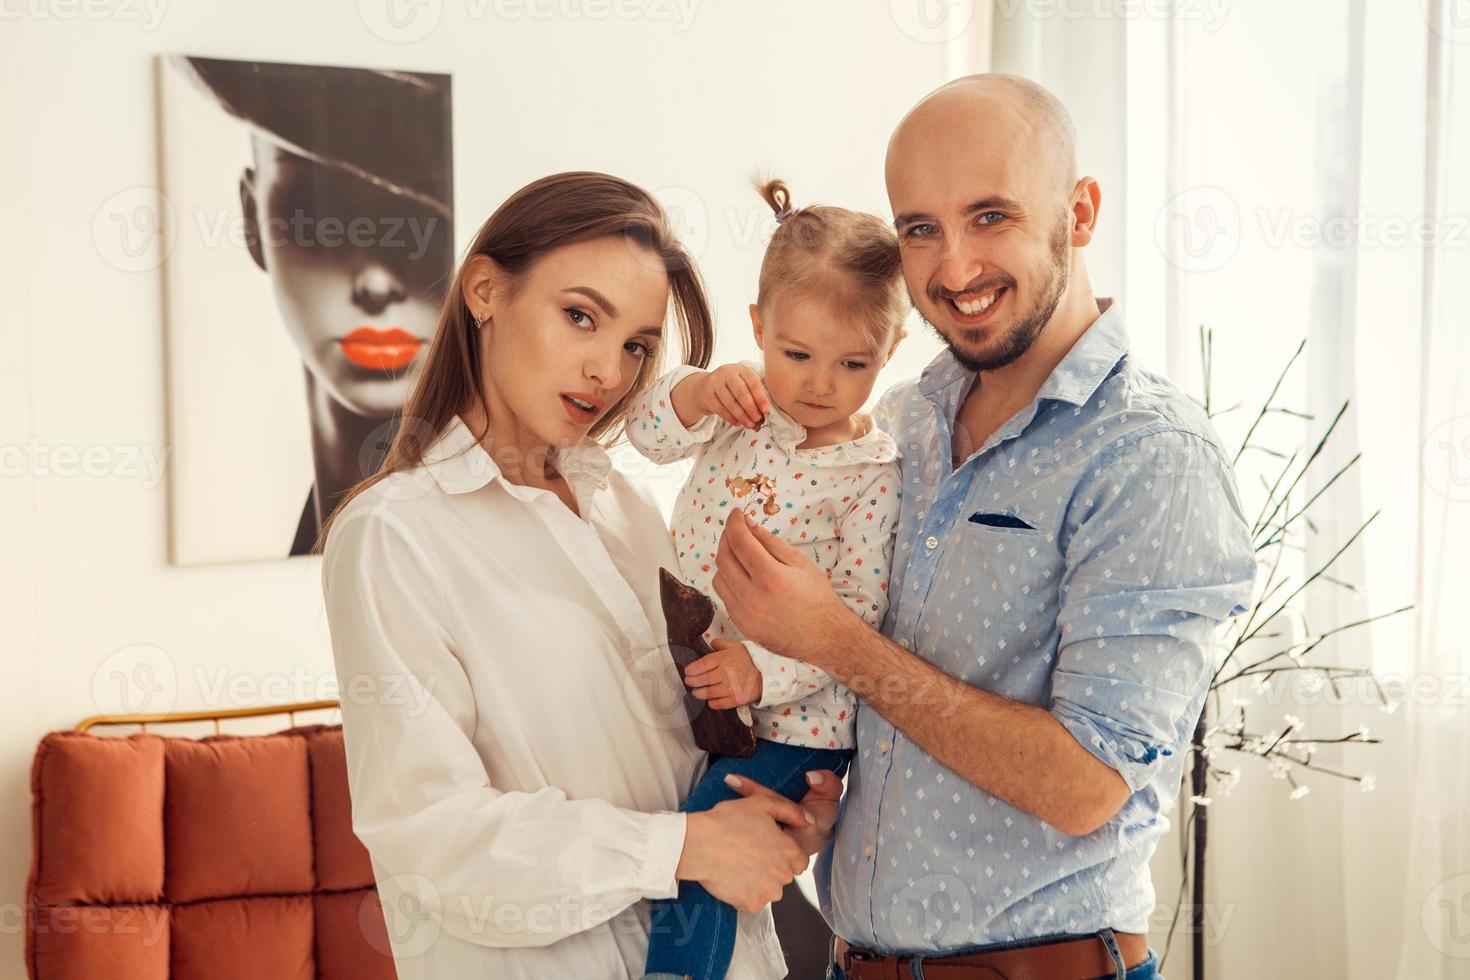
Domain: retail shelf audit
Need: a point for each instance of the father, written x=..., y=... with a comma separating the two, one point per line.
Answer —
x=1070, y=538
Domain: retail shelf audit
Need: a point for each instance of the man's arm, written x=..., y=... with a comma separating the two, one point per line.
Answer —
x=1158, y=555
x=1012, y=750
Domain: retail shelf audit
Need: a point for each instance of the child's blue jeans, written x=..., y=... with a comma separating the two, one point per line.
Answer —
x=694, y=934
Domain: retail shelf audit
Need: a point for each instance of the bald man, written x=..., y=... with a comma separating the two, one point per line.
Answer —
x=1069, y=539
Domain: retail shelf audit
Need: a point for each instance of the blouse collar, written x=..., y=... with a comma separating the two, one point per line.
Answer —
x=460, y=464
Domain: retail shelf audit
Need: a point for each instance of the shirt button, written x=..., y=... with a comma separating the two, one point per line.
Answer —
x=931, y=542
x=867, y=850
x=904, y=643
x=883, y=745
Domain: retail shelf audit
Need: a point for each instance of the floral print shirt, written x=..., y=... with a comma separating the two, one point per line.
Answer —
x=837, y=504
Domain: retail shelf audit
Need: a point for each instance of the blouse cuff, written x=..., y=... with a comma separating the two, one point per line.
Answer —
x=666, y=833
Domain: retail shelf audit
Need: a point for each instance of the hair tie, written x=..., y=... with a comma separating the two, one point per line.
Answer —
x=784, y=213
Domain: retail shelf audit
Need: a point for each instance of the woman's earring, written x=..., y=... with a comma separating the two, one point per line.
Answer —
x=479, y=320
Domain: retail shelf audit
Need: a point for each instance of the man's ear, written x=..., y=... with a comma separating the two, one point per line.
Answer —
x=755, y=323
x=1086, y=203
x=482, y=286
x=250, y=210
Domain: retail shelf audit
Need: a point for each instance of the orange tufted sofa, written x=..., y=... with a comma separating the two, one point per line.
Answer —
x=160, y=858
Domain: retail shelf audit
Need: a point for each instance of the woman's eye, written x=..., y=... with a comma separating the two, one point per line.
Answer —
x=639, y=350
x=586, y=319
x=796, y=355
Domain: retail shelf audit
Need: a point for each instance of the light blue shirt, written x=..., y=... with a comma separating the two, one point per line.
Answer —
x=1080, y=561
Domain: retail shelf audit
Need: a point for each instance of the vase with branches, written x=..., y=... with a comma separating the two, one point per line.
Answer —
x=1256, y=650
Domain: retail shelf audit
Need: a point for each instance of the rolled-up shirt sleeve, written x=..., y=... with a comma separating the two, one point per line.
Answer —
x=497, y=868
x=1159, y=554
x=654, y=428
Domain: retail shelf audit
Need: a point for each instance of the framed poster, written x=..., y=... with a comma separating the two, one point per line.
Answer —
x=312, y=209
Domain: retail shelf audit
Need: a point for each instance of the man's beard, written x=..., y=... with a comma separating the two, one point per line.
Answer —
x=1019, y=338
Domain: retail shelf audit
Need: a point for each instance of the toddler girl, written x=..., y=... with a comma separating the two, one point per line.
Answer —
x=785, y=441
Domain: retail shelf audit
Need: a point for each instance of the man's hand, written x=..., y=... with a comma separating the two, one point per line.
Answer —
x=775, y=595
x=726, y=678
x=821, y=801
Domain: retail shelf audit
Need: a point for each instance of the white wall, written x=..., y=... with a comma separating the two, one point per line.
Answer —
x=690, y=97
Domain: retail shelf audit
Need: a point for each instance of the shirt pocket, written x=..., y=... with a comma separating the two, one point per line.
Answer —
x=1000, y=521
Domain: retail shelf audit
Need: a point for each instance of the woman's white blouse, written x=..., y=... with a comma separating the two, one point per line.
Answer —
x=515, y=731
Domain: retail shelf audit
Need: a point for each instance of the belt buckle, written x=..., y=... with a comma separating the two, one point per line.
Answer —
x=859, y=955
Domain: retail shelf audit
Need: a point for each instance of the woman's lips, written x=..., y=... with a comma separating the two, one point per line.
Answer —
x=380, y=350
x=578, y=414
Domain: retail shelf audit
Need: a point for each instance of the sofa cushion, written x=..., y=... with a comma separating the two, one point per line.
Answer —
x=172, y=859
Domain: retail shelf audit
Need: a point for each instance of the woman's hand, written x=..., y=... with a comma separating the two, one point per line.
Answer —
x=821, y=801
x=726, y=678
x=739, y=853
x=733, y=392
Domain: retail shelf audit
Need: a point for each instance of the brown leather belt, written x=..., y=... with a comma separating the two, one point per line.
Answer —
x=1071, y=959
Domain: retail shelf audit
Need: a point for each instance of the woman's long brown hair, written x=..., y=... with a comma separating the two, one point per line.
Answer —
x=558, y=210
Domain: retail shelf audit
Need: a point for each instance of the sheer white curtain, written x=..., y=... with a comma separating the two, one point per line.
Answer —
x=1437, y=919
x=1288, y=172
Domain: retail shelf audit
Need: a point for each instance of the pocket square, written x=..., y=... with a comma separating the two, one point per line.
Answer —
x=991, y=519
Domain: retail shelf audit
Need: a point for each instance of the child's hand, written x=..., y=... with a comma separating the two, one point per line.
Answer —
x=726, y=678
x=735, y=393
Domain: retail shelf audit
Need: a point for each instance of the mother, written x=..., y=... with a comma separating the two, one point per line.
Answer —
x=492, y=594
